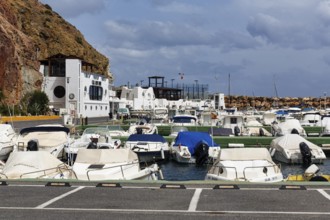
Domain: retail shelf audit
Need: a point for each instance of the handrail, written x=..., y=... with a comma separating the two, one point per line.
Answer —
x=227, y=167
x=256, y=167
x=2, y=174
x=59, y=168
x=276, y=169
x=105, y=168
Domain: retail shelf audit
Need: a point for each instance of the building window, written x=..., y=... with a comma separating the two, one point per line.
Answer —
x=59, y=92
x=95, y=93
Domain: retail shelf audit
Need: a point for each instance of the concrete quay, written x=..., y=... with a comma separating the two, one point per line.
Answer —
x=163, y=200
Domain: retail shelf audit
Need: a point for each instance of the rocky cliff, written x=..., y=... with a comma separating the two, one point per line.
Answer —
x=266, y=103
x=29, y=32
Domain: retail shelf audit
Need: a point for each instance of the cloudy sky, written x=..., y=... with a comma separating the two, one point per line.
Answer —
x=259, y=43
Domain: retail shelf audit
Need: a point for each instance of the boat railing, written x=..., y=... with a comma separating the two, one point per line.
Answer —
x=264, y=169
x=220, y=170
x=3, y=175
x=60, y=169
x=122, y=169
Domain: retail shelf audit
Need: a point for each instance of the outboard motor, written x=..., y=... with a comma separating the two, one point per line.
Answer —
x=237, y=131
x=294, y=131
x=201, y=153
x=32, y=145
x=306, y=154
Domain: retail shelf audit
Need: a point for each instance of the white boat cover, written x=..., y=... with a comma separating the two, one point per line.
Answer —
x=23, y=162
x=106, y=156
x=45, y=139
x=290, y=124
x=244, y=154
x=6, y=133
x=291, y=141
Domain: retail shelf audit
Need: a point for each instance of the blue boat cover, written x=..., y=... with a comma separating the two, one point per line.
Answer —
x=192, y=139
x=146, y=137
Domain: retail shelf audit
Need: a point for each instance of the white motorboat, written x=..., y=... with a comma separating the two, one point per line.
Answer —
x=34, y=164
x=149, y=147
x=7, y=140
x=234, y=122
x=92, y=137
x=142, y=127
x=245, y=164
x=268, y=118
x=112, y=164
x=194, y=147
x=176, y=129
x=50, y=138
x=294, y=149
x=290, y=126
x=116, y=131
x=255, y=128
x=310, y=118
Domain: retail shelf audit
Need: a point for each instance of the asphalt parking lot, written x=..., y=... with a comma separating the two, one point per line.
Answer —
x=29, y=200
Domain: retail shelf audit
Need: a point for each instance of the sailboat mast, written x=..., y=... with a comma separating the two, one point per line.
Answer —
x=229, y=88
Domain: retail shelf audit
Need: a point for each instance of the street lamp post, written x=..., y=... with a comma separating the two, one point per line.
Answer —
x=196, y=81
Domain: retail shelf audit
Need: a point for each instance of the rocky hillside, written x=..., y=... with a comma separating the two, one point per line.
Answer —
x=29, y=32
x=265, y=103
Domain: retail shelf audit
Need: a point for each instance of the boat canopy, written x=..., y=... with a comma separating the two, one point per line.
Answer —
x=106, y=156
x=23, y=162
x=244, y=154
x=184, y=119
x=291, y=141
x=192, y=139
x=146, y=137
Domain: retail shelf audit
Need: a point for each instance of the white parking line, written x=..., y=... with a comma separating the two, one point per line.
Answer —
x=194, y=200
x=323, y=193
x=58, y=198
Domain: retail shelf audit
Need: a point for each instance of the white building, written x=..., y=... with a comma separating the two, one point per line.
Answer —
x=74, y=89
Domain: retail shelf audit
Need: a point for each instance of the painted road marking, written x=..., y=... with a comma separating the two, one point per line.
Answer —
x=194, y=200
x=58, y=198
x=170, y=211
x=323, y=193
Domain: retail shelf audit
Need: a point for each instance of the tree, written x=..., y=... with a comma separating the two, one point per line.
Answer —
x=35, y=103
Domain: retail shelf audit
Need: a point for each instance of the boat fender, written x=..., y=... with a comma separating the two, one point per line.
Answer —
x=162, y=153
x=261, y=132
x=318, y=179
x=237, y=130
x=294, y=131
x=306, y=154
x=272, y=151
